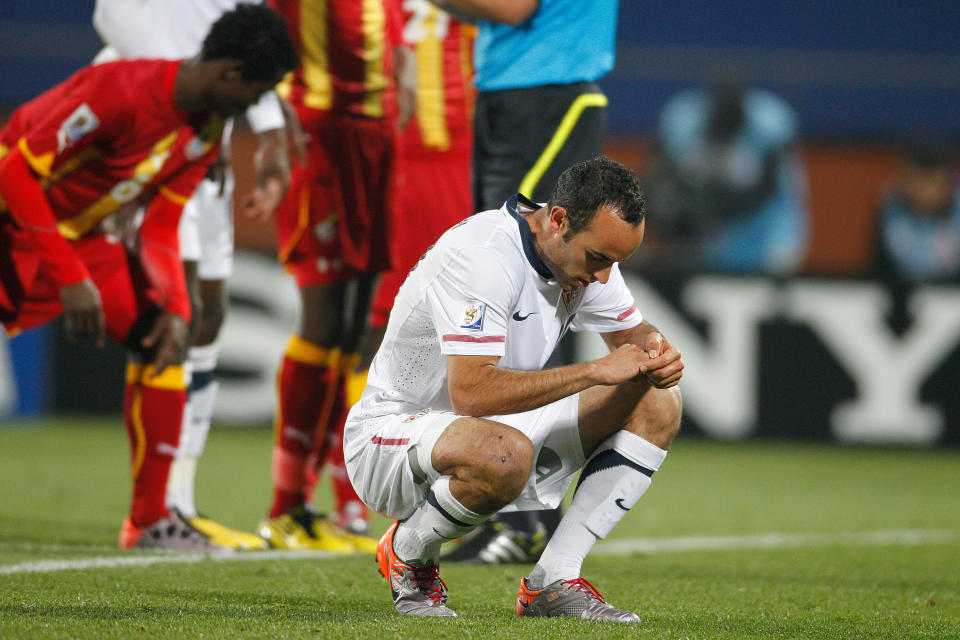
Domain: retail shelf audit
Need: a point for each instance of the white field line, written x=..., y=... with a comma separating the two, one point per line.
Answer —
x=612, y=548
x=906, y=538
x=159, y=557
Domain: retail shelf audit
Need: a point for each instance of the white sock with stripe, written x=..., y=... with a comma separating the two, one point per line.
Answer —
x=197, y=415
x=612, y=481
x=440, y=519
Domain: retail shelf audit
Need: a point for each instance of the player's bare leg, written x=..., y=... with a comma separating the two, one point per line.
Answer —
x=478, y=467
x=625, y=431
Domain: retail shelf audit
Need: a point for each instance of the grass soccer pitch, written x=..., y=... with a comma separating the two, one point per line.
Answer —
x=748, y=540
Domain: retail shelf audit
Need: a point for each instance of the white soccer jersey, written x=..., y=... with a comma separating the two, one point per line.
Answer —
x=481, y=290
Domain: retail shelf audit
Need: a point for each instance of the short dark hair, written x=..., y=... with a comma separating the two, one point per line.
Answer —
x=257, y=37
x=586, y=186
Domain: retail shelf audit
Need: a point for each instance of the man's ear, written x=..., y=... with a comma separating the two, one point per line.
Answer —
x=558, y=219
x=229, y=69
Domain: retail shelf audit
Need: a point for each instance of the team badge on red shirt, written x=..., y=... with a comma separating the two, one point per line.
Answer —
x=78, y=124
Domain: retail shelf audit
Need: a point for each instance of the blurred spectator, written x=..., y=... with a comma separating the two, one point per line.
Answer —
x=918, y=235
x=728, y=186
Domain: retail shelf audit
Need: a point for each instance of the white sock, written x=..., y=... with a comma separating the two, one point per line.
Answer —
x=612, y=481
x=180, y=486
x=440, y=519
x=197, y=414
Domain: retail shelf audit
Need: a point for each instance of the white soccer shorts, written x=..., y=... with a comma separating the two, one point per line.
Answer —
x=392, y=472
x=206, y=229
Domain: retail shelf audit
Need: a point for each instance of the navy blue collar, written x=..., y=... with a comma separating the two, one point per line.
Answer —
x=526, y=236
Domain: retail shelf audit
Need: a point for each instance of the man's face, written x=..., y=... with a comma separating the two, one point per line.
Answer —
x=588, y=255
x=231, y=94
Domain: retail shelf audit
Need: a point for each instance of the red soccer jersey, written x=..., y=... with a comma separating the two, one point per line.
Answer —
x=109, y=135
x=346, y=54
x=444, y=51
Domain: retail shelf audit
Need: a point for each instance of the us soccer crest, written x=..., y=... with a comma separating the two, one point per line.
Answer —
x=472, y=316
x=572, y=298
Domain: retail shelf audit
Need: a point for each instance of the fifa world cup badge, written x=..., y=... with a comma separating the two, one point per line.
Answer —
x=472, y=317
x=78, y=124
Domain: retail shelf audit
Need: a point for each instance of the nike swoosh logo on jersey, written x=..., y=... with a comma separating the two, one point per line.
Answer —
x=618, y=502
x=518, y=318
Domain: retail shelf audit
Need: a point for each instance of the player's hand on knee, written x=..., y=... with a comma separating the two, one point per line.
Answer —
x=626, y=362
x=169, y=336
x=83, y=311
x=664, y=366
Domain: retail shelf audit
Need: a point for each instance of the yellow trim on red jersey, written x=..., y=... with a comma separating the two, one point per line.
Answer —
x=173, y=196
x=121, y=193
x=66, y=168
x=303, y=220
x=356, y=383
x=285, y=86
x=308, y=353
x=330, y=398
x=431, y=105
x=375, y=48
x=42, y=163
x=468, y=33
x=315, y=63
x=139, y=433
x=277, y=427
x=71, y=165
x=347, y=363
x=134, y=372
x=172, y=378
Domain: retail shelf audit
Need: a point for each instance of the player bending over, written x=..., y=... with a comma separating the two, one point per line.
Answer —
x=175, y=29
x=110, y=138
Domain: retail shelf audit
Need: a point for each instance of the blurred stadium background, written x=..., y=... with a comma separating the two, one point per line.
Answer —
x=829, y=354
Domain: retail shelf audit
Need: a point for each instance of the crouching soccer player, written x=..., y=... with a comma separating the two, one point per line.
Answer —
x=107, y=139
x=459, y=420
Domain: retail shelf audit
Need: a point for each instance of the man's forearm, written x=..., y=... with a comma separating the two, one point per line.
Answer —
x=160, y=255
x=503, y=391
x=637, y=335
x=28, y=205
